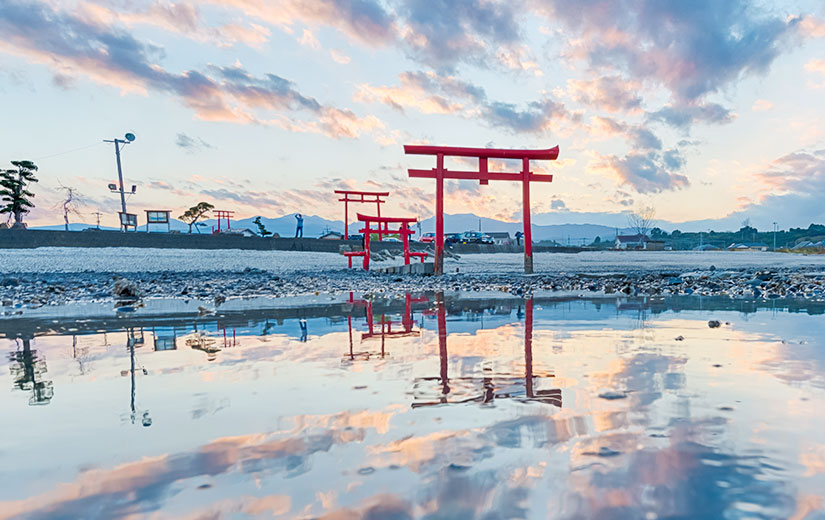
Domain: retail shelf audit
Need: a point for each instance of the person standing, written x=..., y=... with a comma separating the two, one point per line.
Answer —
x=519, y=234
x=299, y=230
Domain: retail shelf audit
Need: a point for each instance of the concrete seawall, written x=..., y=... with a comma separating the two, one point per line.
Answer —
x=30, y=239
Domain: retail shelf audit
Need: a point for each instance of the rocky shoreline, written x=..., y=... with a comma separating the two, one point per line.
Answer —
x=34, y=290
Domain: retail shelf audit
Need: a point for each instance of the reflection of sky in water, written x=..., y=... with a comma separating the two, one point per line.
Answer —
x=306, y=417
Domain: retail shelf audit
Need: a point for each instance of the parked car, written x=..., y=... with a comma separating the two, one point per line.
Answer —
x=427, y=238
x=452, y=238
x=474, y=237
x=356, y=237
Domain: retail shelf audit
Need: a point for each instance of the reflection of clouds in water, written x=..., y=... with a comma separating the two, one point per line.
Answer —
x=798, y=363
x=812, y=457
x=643, y=376
x=143, y=486
x=683, y=478
x=664, y=449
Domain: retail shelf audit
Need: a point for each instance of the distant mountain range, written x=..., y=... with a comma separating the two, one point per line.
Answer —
x=315, y=226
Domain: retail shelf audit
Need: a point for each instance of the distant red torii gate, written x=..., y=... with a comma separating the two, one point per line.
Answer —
x=483, y=175
x=374, y=198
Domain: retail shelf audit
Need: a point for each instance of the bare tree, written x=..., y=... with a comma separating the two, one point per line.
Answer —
x=642, y=220
x=70, y=203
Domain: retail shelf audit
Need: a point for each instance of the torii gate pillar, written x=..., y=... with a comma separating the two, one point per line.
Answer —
x=483, y=176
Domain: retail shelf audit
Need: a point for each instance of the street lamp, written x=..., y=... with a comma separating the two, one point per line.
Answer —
x=128, y=138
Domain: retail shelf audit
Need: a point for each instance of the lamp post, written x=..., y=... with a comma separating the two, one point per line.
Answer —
x=129, y=137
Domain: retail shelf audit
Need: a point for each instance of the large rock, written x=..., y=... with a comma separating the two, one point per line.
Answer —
x=125, y=289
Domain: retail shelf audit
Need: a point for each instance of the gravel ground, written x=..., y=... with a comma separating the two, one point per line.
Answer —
x=134, y=260
x=52, y=276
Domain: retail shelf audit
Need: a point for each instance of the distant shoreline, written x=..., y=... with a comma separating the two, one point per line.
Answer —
x=36, y=238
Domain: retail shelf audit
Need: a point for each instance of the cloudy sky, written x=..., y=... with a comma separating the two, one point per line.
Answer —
x=703, y=109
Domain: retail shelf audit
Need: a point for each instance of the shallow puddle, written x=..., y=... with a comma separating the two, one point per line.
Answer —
x=419, y=407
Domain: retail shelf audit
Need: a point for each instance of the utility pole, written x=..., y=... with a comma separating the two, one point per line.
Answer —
x=97, y=214
x=774, y=236
x=129, y=137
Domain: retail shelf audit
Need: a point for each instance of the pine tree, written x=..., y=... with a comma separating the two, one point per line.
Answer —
x=193, y=214
x=261, y=228
x=15, y=198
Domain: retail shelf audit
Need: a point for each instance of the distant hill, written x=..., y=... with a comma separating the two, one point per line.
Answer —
x=562, y=233
x=315, y=226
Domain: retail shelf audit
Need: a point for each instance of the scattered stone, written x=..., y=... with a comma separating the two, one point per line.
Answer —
x=714, y=324
x=125, y=289
x=679, y=338
x=203, y=311
x=604, y=451
x=62, y=288
x=611, y=396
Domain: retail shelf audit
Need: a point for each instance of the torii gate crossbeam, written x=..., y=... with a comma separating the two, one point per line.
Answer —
x=361, y=197
x=483, y=175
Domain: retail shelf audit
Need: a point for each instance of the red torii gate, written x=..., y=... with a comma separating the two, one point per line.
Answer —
x=403, y=231
x=375, y=198
x=222, y=214
x=483, y=175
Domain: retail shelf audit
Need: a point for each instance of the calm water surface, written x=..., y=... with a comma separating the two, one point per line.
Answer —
x=419, y=408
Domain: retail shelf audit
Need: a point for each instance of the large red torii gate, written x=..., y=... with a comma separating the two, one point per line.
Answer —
x=483, y=175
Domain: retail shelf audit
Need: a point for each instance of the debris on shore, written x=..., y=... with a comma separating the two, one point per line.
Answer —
x=217, y=286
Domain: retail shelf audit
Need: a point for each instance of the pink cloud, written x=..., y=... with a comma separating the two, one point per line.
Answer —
x=80, y=48
x=182, y=18
x=366, y=22
x=762, y=105
x=608, y=93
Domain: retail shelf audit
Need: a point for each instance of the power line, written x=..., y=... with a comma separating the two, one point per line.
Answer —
x=67, y=151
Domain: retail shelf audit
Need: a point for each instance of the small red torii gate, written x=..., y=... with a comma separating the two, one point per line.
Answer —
x=222, y=214
x=483, y=176
x=374, y=198
x=403, y=231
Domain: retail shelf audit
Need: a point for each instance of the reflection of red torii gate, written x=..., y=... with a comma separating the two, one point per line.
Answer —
x=373, y=197
x=386, y=325
x=483, y=175
x=552, y=396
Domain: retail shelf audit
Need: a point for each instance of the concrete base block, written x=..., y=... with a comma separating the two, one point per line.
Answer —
x=416, y=268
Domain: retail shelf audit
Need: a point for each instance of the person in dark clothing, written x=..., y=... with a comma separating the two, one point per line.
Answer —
x=299, y=231
x=519, y=234
x=303, y=324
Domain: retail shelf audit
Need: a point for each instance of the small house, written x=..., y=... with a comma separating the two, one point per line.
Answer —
x=331, y=235
x=633, y=242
